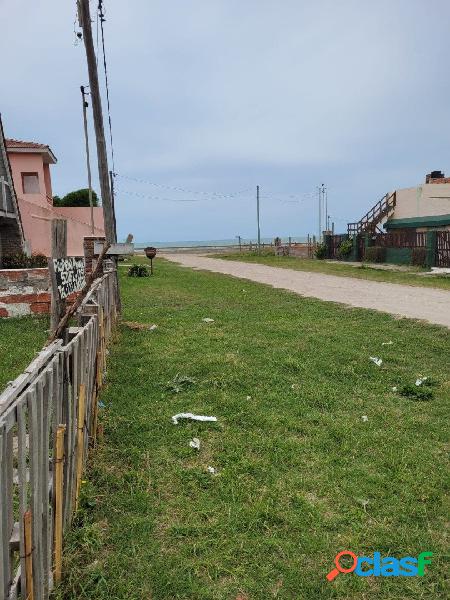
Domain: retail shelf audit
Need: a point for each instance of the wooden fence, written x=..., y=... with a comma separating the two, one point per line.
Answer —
x=400, y=239
x=48, y=418
x=443, y=249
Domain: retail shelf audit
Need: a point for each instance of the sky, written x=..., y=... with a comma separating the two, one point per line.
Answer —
x=210, y=98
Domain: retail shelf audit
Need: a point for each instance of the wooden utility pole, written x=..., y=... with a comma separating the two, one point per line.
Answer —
x=59, y=250
x=88, y=162
x=84, y=17
x=257, y=217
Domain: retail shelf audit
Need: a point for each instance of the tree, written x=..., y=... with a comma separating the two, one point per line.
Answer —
x=76, y=198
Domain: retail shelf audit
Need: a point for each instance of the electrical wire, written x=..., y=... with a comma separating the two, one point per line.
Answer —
x=102, y=19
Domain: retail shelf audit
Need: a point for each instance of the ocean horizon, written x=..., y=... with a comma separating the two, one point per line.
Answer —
x=224, y=242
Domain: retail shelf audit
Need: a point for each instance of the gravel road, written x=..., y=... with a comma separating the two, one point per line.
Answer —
x=432, y=305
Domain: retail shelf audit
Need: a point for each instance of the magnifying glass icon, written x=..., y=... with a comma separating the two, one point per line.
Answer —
x=339, y=568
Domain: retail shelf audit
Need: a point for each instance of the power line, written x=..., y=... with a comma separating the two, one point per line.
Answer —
x=101, y=16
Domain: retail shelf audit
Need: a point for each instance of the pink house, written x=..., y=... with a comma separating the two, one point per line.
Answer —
x=30, y=166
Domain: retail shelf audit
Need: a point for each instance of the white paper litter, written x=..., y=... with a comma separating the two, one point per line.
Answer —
x=421, y=380
x=394, y=389
x=365, y=418
x=195, y=443
x=153, y=327
x=212, y=470
x=387, y=343
x=376, y=360
x=191, y=416
x=208, y=320
x=248, y=398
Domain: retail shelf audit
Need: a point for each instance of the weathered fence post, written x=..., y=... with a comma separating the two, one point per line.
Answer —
x=28, y=554
x=59, y=490
x=59, y=250
x=431, y=242
x=80, y=441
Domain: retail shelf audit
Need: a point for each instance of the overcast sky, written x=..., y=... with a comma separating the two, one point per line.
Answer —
x=218, y=96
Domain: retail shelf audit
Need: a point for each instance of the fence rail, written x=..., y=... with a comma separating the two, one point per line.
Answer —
x=54, y=400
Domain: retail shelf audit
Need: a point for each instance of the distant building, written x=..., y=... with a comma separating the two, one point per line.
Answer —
x=30, y=165
x=424, y=207
x=11, y=232
x=419, y=208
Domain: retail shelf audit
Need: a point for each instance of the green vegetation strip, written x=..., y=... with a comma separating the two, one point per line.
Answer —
x=413, y=277
x=301, y=474
x=20, y=340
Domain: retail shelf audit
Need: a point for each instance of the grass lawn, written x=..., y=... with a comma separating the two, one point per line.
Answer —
x=341, y=269
x=300, y=474
x=20, y=340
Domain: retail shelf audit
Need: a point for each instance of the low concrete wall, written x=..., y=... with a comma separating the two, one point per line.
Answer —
x=24, y=292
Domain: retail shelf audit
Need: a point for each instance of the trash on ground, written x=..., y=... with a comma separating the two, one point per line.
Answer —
x=195, y=443
x=376, y=360
x=179, y=382
x=139, y=326
x=395, y=388
x=101, y=404
x=248, y=398
x=387, y=343
x=192, y=417
x=212, y=470
x=421, y=380
x=365, y=418
x=208, y=320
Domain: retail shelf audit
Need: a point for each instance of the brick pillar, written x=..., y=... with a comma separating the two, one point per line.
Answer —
x=89, y=254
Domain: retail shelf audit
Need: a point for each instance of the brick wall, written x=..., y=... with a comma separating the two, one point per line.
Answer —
x=24, y=292
x=439, y=180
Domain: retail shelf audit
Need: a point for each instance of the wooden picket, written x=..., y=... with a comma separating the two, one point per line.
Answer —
x=40, y=489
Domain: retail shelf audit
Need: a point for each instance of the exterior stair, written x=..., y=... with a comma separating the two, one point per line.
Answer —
x=371, y=220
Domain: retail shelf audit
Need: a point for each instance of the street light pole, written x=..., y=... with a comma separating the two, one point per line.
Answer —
x=88, y=162
x=257, y=217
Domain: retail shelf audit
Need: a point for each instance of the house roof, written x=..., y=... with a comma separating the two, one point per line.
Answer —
x=23, y=146
x=414, y=222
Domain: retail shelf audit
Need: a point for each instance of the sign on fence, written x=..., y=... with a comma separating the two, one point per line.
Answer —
x=69, y=275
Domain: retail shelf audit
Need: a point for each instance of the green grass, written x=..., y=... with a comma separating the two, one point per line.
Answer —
x=20, y=340
x=411, y=277
x=301, y=475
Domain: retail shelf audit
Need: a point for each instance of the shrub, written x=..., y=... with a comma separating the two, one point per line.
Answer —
x=20, y=260
x=321, y=251
x=375, y=254
x=345, y=248
x=76, y=198
x=419, y=257
x=138, y=271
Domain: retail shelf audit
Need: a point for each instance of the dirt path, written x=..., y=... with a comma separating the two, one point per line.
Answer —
x=431, y=305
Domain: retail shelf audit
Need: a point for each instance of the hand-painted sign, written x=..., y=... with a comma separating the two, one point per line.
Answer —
x=69, y=275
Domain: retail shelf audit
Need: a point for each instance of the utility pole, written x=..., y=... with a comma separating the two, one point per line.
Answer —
x=88, y=162
x=319, y=189
x=102, y=158
x=326, y=210
x=257, y=217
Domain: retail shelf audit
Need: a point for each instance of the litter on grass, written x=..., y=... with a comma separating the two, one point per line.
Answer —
x=208, y=320
x=249, y=398
x=365, y=418
x=212, y=470
x=376, y=360
x=195, y=443
x=420, y=380
x=192, y=417
x=387, y=343
x=395, y=388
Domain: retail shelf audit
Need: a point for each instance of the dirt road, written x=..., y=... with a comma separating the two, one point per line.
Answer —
x=429, y=304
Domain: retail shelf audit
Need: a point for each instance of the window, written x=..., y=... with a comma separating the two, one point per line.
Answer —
x=30, y=183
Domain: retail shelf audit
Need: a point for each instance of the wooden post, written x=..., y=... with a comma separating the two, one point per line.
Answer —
x=59, y=250
x=28, y=547
x=59, y=491
x=80, y=441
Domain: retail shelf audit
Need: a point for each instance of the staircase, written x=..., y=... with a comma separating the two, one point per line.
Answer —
x=370, y=221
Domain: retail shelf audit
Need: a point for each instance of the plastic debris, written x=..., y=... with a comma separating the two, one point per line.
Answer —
x=195, y=443
x=208, y=320
x=365, y=418
x=248, y=398
x=212, y=470
x=153, y=327
x=420, y=380
x=101, y=404
x=193, y=417
x=387, y=343
x=394, y=389
x=376, y=360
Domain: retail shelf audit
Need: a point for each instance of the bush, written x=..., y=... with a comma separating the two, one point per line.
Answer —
x=321, y=251
x=345, y=248
x=375, y=254
x=138, y=271
x=76, y=198
x=20, y=260
x=419, y=257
